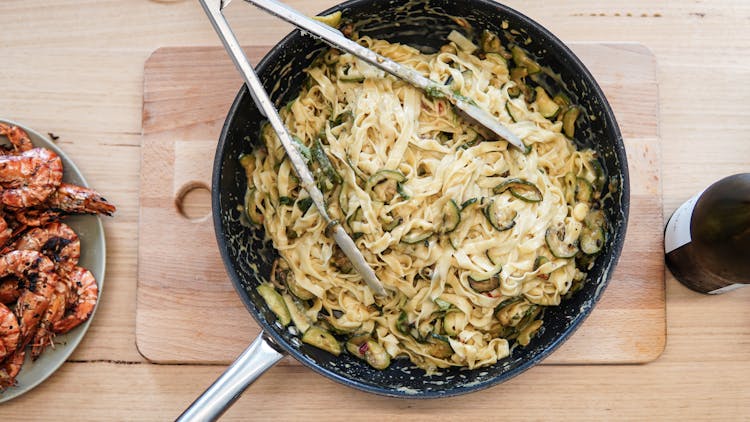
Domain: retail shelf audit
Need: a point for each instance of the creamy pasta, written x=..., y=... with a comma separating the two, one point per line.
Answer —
x=471, y=237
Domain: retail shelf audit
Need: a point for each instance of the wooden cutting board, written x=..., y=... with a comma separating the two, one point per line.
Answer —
x=187, y=309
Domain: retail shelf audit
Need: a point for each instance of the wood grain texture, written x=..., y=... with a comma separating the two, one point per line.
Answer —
x=143, y=392
x=182, y=117
x=75, y=68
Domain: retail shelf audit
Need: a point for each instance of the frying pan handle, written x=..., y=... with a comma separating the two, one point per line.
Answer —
x=251, y=364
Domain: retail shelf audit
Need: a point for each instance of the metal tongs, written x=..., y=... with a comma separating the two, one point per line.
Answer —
x=335, y=38
x=260, y=96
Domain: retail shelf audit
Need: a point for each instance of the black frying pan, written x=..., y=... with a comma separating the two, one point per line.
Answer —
x=248, y=256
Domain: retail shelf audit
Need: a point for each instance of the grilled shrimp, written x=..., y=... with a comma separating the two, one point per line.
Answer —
x=29, y=178
x=9, y=290
x=36, y=273
x=68, y=199
x=18, y=137
x=10, y=367
x=9, y=332
x=86, y=293
x=74, y=199
x=55, y=312
x=57, y=241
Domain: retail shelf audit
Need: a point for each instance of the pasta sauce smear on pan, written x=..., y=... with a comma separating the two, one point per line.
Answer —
x=471, y=237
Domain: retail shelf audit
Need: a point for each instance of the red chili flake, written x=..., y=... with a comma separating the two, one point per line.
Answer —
x=440, y=107
x=363, y=348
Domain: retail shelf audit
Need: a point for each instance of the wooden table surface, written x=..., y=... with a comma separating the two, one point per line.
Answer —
x=75, y=68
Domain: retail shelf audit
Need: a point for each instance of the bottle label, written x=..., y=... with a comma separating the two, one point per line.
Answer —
x=728, y=288
x=677, y=232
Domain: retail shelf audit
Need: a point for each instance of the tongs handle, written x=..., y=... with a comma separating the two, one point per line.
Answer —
x=336, y=39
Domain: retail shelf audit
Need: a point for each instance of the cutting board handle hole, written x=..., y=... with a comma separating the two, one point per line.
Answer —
x=193, y=201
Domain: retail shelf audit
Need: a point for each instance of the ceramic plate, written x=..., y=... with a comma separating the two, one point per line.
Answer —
x=93, y=256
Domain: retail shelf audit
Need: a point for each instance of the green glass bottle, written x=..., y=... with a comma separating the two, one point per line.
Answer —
x=707, y=239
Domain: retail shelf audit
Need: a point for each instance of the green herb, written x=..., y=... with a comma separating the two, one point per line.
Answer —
x=434, y=91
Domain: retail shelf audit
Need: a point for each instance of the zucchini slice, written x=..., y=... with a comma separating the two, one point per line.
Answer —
x=499, y=218
x=562, y=100
x=384, y=184
x=342, y=118
x=497, y=57
x=442, y=305
x=539, y=261
x=518, y=75
x=584, y=191
x=476, y=139
x=451, y=216
x=339, y=327
x=513, y=92
x=297, y=313
x=320, y=156
x=507, y=302
x=528, y=326
x=304, y=204
x=416, y=236
x=545, y=105
x=369, y=350
x=595, y=218
x=340, y=261
x=513, y=111
x=356, y=220
x=522, y=59
x=393, y=224
x=569, y=121
x=468, y=203
x=286, y=200
x=282, y=276
x=452, y=321
x=402, y=324
x=402, y=191
x=322, y=339
x=521, y=189
x=439, y=346
x=591, y=240
x=558, y=243
x=275, y=303
x=490, y=42
x=599, y=179
x=485, y=281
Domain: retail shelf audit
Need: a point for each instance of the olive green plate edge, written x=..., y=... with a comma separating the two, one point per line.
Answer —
x=93, y=256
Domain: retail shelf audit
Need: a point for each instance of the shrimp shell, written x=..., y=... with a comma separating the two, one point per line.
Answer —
x=86, y=293
x=29, y=178
x=9, y=331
